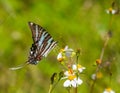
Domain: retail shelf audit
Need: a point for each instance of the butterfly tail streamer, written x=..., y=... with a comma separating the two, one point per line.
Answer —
x=19, y=67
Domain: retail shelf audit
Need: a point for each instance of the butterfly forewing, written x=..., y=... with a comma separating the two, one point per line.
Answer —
x=36, y=30
x=43, y=43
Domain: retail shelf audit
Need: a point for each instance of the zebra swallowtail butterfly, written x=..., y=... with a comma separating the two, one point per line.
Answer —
x=43, y=43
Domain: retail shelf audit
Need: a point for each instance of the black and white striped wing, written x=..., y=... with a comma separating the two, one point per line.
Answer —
x=43, y=44
x=42, y=39
x=36, y=30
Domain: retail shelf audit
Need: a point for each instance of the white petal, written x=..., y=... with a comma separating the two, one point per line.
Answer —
x=76, y=82
x=66, y=47
x=66, y=73
x=68, y=53
x=113, y=12
x=105, y=92
x=108, y=91
x=59, y=56
x=74, y=67
x=73, y=83
x=81, y=69
x=107, y=11
x=112, y=91
x=93, y=76
x=67, y=83
x=79, y=81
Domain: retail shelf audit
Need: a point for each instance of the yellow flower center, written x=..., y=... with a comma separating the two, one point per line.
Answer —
x=70, y=71
x=99, y=75
x=108, y=89
x=79, y=66
x=60, y=59
x=71, y=77
x=110, y=9
x=62, y=50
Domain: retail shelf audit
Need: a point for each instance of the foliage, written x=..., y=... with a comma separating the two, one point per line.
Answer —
x=78, y=23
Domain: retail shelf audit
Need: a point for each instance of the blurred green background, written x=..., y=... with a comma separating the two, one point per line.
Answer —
x=77, y=23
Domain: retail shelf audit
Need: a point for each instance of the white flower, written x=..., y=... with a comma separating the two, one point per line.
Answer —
x=93, y=76
x=72, y=79
x=108, y=90
x=68, y=51
x=97, y=75
x=69, y=73
x=73, y=83
x=78, y=67
x=111, y=11
x=59, y=56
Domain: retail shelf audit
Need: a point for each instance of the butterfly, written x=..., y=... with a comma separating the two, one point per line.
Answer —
x=43, y=43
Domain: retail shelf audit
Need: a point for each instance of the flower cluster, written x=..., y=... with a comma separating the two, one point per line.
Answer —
x=71, y=75
x=65, y=53
x=108, y=90
x=97, y=75
x=111, y=11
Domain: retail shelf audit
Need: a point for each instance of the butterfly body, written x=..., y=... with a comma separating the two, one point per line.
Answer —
x=33, y=58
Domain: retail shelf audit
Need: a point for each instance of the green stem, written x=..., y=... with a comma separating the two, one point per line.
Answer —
x=68, y=90
x=103, y=49
x=52, y=87
x=77, y=57
x=76, y=90
x=98, y=67
x=92, y=86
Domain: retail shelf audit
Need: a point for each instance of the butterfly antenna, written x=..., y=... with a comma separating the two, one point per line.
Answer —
x=20, y=66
